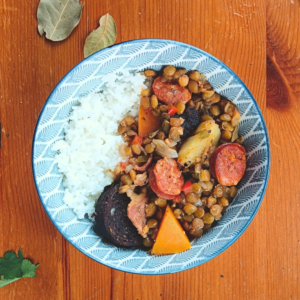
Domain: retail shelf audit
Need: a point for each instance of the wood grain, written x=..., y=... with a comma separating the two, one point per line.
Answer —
x=259, y=41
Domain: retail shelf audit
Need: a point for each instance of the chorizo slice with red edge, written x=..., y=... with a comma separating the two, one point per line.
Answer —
x=170, y=92
x=168, y=177
x=228, y=163
x=154, y=187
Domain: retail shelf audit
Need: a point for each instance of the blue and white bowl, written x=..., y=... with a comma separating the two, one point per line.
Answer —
x=139, y=55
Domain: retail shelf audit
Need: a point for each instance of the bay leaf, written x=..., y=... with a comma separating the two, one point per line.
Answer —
x=104, y=36
x=57, y=18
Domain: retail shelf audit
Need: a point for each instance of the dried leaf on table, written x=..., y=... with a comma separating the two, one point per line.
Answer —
x=104, y=36
x=57, y=18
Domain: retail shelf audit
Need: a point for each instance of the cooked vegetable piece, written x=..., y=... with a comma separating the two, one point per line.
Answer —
x=171, y=237
x=164, y=150
x=207, y=134
x=172, y=110
x=137, y=140
x=177, y=199
x=187, y=187
x=147, y=122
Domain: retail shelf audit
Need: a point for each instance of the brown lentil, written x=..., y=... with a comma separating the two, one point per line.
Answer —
x=152, y=223
x=225, y=117
x=215, y=110
x=216, y=209
x=206, y=226
x=150, y=209
x=136, y=149
x=176, y=121
x=224, y=201
x=226, y=135
x=147, y=242
x=121, y=129
x=150, y=73
x=166, y=116
x=232, y=192
x=193, y=87
x=191, y=198
x=146, y=93
x=189, y=208
x=181, y=107
x=218, y=217
x=191, y=103
x=129, y=120
x=199, y=213
x=159, y=214
x=183, y=80
x=208, y=218
x=206, y=118
x=196, y=232
x=147, y=141
x=163, y=108
x=169, y=70
x=154, y=101
x=197, y=223
x=179, y=73
x=196, y=188
x=178, y=213
x=207, y=94
x=219, y=191
x=188, y=218
x=187, y=226
x=160, y=135
x=127, y=151
x=204, y=175
x=211, y=201
x=194, y=75
x=160, y=202
x=149, y=148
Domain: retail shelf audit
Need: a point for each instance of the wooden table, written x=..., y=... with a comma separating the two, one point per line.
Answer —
x=259, y=40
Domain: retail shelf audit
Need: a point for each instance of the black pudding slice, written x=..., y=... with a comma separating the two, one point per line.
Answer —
x=112, y=221
x=191, y=121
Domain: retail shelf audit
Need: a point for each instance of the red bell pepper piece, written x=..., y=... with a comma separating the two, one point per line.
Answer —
x=172, y=110
x=124, y=165
x=187, y=187
x=137, y=140
x=177, y=199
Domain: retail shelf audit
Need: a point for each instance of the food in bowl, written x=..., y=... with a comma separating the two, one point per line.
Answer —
x=178, y=163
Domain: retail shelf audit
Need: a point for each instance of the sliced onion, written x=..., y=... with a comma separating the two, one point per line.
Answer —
x=163, y=150
x=153, y=134
x=236, y=117
x=128, y=168
x=172, y=162
x=170, y=142
x=143, y=150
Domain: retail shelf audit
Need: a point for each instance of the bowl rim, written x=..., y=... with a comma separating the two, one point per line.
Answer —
x=234, y=239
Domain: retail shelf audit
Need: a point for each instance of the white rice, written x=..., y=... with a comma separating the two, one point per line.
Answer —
x=91, y=145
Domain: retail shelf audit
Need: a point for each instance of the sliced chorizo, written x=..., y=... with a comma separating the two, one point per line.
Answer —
x=170, y=92
x=228, y=164
x=154, y=187
x=168, y=176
